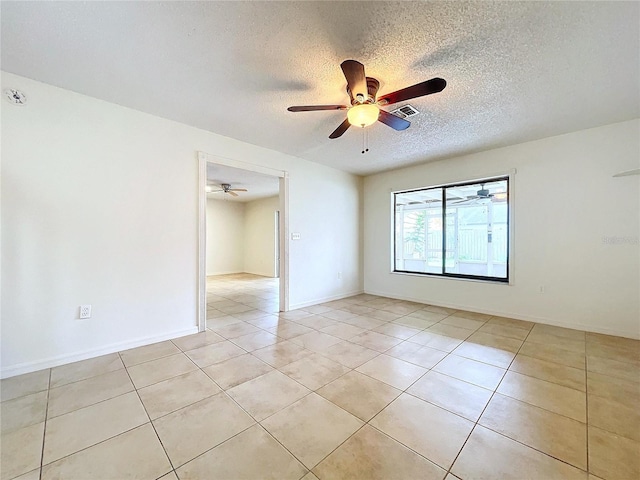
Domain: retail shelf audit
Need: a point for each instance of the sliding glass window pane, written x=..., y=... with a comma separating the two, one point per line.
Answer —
x=418, y=235
x=477, y=229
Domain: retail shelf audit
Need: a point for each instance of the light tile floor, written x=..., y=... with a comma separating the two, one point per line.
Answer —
x=361, y=388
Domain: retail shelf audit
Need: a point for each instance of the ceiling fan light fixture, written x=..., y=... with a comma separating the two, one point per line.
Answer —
x=363, y=115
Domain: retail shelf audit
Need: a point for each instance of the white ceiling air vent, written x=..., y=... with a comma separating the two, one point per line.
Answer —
x=405, y=111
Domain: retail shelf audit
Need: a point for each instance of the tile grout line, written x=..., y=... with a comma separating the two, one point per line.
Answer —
x=406, y=392
x=256, y=422
x=334, y=404
x=149, y=417
x=485, y=407
x=87, y=378
x=215, y=446
x=259, y=422
x=282, y=445
x=517, y=441
x=44, y=427
x=222, y=391
x=102, y=401
x=364, y=424
x=109, y=398
x=92, y=445
x=531, y=404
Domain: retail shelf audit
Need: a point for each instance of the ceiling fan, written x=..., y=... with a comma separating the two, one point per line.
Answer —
x=365, y=108
x=226, y=188
x=484, y=194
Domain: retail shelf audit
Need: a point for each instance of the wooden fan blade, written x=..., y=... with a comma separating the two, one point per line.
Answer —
x=233, y=194
x=238, y=190
x=393, y=121
x=356, y=79
x=344, y=126
x=434, y=85
x=314, y=108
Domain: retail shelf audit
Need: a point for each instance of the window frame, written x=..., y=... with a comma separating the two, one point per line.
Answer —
x=508, y=177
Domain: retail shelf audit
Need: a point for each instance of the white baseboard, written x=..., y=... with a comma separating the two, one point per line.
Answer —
x=28, y=367
x=261, y=274
x=517, y=316
x=230, y=272
x=325, y=299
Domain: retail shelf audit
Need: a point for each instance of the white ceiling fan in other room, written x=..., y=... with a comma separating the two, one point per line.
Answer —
x=225, y=189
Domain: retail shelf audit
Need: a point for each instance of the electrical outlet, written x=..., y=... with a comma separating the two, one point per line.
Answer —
x=85, y=311
x=295, y=236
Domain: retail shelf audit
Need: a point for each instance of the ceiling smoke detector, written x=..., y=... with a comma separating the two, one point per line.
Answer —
x=405, y=111
x=15, y=97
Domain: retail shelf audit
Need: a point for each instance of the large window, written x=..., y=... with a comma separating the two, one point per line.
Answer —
x=457, y=230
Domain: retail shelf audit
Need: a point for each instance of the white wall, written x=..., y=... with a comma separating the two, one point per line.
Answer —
x=99, y=206
x=225, y=237
x=241, y=236
x=260, y=236
x=565, y=203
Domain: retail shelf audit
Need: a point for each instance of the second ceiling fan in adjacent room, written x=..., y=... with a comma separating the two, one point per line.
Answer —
x=225, y=189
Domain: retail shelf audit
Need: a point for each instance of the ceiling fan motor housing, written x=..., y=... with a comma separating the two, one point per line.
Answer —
x=372, y=90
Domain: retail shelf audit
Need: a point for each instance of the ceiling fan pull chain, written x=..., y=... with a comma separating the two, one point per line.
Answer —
x=365, y=141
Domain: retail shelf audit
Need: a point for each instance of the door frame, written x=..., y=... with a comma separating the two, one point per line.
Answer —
x=277, y=244
x=203, y=159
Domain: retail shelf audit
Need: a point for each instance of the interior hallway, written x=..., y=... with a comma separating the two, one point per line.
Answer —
x=365, y=387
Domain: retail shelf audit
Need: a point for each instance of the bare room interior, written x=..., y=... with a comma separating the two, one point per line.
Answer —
x=320, y=240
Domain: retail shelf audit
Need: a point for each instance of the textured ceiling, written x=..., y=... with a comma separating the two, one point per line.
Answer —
x=257, y=184
x=516, y=71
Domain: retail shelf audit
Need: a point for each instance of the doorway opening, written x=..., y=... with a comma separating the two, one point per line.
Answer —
x=243, y=226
